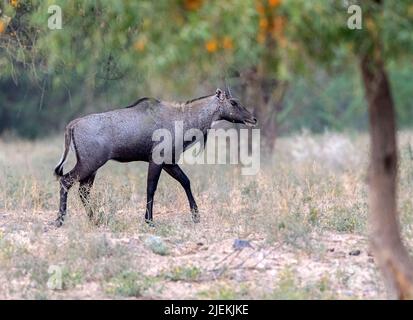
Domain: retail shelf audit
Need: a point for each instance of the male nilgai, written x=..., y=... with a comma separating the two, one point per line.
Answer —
x=126, y=135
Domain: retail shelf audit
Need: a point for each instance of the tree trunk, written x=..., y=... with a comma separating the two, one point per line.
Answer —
x=265, y=96
x=389, y=252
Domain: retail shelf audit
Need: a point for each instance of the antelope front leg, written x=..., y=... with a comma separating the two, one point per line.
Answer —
x=154, y=171
x=176, y=172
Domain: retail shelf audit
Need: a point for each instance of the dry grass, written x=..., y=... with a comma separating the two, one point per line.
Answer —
x=303, y=213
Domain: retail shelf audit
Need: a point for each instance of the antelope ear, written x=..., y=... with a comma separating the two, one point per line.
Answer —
x=219, y=94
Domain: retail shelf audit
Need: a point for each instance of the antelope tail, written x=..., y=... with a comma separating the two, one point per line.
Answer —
x=58, y=171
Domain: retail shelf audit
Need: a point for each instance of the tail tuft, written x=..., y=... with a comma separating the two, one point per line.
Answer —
x=58, y=171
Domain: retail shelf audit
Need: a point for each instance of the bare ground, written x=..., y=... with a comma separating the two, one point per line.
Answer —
x=339, y=267
x=304, y=216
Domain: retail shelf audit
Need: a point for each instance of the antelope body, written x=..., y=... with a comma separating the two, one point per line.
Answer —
x=125, y=135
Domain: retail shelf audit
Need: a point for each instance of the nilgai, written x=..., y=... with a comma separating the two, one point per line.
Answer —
x=125, y=135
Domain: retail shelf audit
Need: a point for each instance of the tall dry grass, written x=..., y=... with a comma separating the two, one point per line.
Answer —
x=313, y=185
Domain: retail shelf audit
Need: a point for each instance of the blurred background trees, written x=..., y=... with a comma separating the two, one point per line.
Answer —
x=386, y=39
x=109, y=53
x=295, y=63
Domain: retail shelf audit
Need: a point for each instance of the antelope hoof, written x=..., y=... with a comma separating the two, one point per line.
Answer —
x=57, y=223
x=150, y=223
x=196, y=217
x=90, y=215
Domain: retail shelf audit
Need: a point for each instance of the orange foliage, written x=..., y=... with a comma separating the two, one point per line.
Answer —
x=260, y=8
x=270, y=24
x=2, y=26
x=261, y=38
x=282, y=41
x=14, y=3
x=263, y=23
x=192, y=5
x=278, y=25
x=211, y=45
x=274, y=3
x=227, y=43
x=370, y=24
x=140, y=44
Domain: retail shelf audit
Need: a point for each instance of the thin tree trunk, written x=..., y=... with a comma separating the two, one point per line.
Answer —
x=266, y=97
x=389, y=252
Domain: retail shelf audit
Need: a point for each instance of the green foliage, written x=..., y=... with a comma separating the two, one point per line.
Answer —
x=71, y=278
x=140, y=39
x=333, y=102
x=319, y=30
x=184, y=273
x=318, y=33
x=179, y=49
x=226, y=292
x=290, y=289
x=157, y=245
x=128, y=284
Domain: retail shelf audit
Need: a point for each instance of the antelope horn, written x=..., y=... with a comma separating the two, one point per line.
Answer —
x=227, y=90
